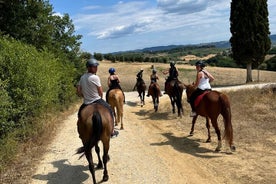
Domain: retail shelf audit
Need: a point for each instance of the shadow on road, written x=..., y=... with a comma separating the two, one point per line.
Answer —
x=66, y=173
x=186, y=145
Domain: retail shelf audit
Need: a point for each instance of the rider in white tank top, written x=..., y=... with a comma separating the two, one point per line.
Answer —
x=204, y=83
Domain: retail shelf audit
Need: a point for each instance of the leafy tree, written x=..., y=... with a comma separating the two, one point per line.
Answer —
x=33, y=22
x=249, y=26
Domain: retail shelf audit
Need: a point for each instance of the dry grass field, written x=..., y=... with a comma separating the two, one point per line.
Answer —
x=187, y=73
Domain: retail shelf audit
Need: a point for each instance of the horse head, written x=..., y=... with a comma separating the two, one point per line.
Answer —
x=189, y=90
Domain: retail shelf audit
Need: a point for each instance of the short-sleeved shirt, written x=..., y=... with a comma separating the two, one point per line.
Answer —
x=89, y=86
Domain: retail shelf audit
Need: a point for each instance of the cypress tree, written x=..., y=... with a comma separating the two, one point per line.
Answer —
x=249, y=26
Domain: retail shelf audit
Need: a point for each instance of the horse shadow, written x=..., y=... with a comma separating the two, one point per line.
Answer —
x=132, y=104
x=64, y=173
x=186, y=145
x=146, y=114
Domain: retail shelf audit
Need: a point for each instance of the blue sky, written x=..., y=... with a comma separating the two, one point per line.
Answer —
x=113, y=25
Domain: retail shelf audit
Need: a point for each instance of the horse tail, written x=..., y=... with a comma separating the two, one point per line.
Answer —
x=226, y=113
x=97, y=128
x=178, y=95
x=155, y=90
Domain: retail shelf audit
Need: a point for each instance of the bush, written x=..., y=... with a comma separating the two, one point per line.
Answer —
x=31, y=83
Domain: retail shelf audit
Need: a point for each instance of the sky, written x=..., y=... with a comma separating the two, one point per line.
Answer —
x=112, y=25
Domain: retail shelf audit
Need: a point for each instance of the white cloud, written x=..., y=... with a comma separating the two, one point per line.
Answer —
x=139, y=23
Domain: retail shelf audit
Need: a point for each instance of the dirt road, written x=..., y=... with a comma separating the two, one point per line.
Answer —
x=153, y=148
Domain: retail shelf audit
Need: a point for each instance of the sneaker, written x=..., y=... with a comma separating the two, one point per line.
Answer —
x=193, y=114
x=114, y=134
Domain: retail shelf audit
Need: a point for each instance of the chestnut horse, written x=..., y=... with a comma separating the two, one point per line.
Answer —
x=116, y=101
x=95, y=123
x=175, y=90
x=141, y=89
x=154, y=92
x=211, y=106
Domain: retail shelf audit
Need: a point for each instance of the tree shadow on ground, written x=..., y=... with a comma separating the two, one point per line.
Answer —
x=66, y=173
x=186, y=145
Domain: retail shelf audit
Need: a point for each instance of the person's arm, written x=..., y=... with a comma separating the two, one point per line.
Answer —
x=210, y=76
x=165, y=72
x=100, y=91
x=108, y=81
x=118, y=79
x=79, y=92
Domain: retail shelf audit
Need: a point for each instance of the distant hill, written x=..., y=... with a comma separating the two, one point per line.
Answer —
x=220, y=44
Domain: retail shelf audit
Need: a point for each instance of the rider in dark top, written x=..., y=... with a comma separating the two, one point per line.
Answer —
x=153, y=79
x=139, y=78
x=113, y=83
x=173, y=74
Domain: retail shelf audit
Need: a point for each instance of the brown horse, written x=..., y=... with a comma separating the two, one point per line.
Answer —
x=116, y=101
x=174, y=89
x=211, y=106
x=154, y=92
x=141, y=89
x=95, y=123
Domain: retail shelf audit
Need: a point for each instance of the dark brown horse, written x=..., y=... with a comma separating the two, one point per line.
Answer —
x=211, y=106
x=141, y=89
x=116, y=101
x=175, y=90
x=95, y=123
x=154, y=92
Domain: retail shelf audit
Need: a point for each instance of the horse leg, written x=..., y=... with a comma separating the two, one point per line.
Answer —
x=89, y=158
x=144, y=93
x=193, y=125
x=115, y=116
x=215, y=125
x=100, y=163
x=173, y=107
x=208, y=129
x=105, y=159
x=157, y=102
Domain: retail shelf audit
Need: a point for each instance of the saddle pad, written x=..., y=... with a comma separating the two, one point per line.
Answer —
x=199, y=98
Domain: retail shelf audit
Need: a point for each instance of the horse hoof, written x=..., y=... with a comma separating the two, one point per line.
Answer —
x=208, y=140
x=233, y=148
x=217, y=150
x=100, y=166
x=105, y=178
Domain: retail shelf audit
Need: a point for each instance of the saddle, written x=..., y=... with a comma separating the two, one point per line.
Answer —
x=200, y=97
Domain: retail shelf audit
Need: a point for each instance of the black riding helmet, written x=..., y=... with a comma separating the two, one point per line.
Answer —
x=172, y=63
x=200, y=63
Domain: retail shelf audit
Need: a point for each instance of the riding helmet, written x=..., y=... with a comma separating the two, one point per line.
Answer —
x=200, y=63
x=172, y=63
x=111, y=70
x=92, y=62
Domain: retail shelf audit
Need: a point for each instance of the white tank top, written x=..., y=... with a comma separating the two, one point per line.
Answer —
x=89, y=83
x=204, y=83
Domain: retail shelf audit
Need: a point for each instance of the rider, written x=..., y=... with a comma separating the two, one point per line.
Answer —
x=173, y=74
x=113, y=82
x=153, y=79
x=202, y=84
x=89, y=87
x=139, y=78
